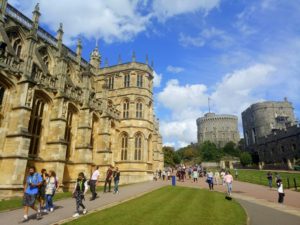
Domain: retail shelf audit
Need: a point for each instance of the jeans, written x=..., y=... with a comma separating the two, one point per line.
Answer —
x=49, y=201
x=116, y=188
x=270, y=183
x=93, y=188
x=229, y=188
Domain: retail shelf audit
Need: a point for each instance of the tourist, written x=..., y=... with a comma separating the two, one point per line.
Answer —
x=31, y=188
x=222, y=174
x=159, y=174
x=79, y=191
x=109, y=174
x=164, y=174
x=228, y=179
x=270, y=179
x=217, y=177
x=169, y=174
x=41, y=193
x=94, y=182
x=195, y=175
x=236, y=173
x=280, y=191
x=51, y=186
x=190, y=171
x=116, y=176
x=210, y=180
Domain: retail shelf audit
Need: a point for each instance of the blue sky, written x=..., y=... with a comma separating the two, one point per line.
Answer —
x=234, y=52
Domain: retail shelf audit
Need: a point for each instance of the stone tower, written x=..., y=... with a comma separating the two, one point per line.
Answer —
x=219, y=129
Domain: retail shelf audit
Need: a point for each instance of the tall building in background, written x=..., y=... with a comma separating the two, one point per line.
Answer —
x=272, y=134
x=261, y=119
x=219, y=129
x=62, y=113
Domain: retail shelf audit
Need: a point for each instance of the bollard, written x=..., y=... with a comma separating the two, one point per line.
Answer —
x=295, y=184
x=173, y=180
x=288, y=183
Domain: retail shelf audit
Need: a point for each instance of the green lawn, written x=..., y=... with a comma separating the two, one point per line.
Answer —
x=260, y=177
x=171, y=205
x=16, y=202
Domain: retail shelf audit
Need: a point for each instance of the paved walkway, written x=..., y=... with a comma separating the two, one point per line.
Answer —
x=66, y=207
x=260, y=203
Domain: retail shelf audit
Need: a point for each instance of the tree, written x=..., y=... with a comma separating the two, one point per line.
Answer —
x=245, y=158
x=168, y=155
x=210, y=152
x=231, y=149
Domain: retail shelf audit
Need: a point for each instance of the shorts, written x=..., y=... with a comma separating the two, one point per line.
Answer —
x=29, y=200
x=42, y=192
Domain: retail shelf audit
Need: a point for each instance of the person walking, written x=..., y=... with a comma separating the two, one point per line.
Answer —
x=217, y=177
x=94, y=182
x=236, y=173
x=31, y=188
x=195, y=175
x=51, y=186
x=228, y=179
x=41, y=193
x=109, y=174
x=163, y=174
x=79, y=191
x=210, y=180
x=116, y=180
x=280, y=191
x=270, y=179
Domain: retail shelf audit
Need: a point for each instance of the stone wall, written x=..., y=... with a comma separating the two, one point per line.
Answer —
x=219, y=129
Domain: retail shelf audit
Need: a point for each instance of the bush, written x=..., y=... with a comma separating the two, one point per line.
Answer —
x=245, y=158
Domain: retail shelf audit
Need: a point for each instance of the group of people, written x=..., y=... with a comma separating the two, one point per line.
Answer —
x=42, y=186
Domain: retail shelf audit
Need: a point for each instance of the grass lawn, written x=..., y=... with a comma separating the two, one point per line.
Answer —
x=16, y=202
x=171, y=205
x=260, y=177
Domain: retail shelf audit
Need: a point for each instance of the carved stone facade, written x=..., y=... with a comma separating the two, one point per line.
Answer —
x=219, y=129
x=60, y=112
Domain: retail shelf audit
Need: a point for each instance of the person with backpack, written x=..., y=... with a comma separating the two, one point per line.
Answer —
x=79, y=191
x=116, y=180
x=93, y=183
x=51, y=186
x=31, y=188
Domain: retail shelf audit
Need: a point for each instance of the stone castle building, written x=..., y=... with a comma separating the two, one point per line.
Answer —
x=272, y=134
x=219, y=129
x=260, y=119
x=60, y=112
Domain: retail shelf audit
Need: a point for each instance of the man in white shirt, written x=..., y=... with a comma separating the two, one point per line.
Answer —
x=94, y=182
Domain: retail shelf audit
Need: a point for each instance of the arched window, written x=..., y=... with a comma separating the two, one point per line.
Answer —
x=124, y=146
x=139, y=110
x=139, y=81
x=17, y=46
x=68, y=130
x=138, y=147
x=127, y=80
x=126, y=109
x=111, y=80
x=35, y=125
x=16, y=42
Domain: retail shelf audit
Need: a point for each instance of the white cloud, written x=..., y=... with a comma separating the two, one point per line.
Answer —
x=157, y=79
x=177, y=98
x=110, y=20
x=164, y=9
x=212, y=36
x=234, y=93
x=174, y=69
